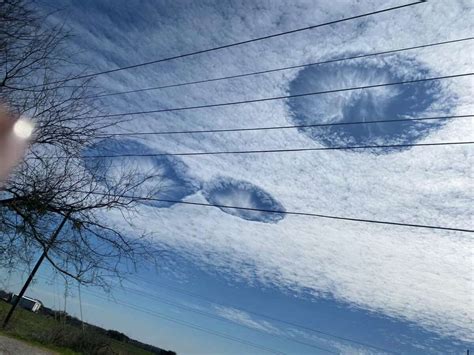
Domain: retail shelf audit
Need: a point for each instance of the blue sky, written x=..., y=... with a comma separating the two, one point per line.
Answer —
x=406, y=290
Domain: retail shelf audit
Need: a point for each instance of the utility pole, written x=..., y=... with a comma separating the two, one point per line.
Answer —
x=35, y=269
x=80, y=305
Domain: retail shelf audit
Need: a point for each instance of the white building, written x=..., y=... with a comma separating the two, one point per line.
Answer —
x=28, y=303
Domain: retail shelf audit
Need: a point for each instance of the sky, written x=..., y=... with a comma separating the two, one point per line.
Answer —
x=364, y=288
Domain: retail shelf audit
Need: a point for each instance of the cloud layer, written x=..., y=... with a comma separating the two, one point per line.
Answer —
x=422, y=276
x=384, y=103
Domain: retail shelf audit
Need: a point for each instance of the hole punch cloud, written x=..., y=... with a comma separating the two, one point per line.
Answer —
x=230, y=192
x=165, y=177
x=384, y=103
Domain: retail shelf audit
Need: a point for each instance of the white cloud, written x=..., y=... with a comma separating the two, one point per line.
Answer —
x=422, y=276
x=245, y=319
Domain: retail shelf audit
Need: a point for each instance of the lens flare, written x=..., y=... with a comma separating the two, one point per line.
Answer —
x=23, y=128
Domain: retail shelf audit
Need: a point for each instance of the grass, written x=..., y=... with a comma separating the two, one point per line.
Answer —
x=49, y=333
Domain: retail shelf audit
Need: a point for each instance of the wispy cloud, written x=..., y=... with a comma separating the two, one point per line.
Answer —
x=245, y=319
x=420, y=276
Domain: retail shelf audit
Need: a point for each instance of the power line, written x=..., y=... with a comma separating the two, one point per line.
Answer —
x=178, y=321
x=221, y=318
x=283, y=68
x=212, y=49
x=189, y=324
x=262, y=315
x=284, y=212
x=274, y=98
x=288, y=127
x=211, y=315
x=265, y=151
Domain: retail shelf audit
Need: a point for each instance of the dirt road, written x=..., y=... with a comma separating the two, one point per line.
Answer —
x=10, y=346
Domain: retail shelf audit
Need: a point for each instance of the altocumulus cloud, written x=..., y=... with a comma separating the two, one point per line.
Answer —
x=419, y=276
x=165, y=176
x=384, y=103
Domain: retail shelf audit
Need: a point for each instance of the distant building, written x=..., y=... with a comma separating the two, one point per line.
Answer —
x=5, y=296
x=28, y=303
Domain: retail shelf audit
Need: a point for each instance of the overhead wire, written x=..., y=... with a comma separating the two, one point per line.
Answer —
x=221, y=318
x=267, y=128
x=218, y=317
x=181, y=322
x=194, y=295
x=190, y=325
x=282, y=97
x=264, y=151
x=291, y=67
x=156, y=314
x=284, y=212
x=234, y=44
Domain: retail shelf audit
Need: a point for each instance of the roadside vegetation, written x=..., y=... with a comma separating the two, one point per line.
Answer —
x=65, y=335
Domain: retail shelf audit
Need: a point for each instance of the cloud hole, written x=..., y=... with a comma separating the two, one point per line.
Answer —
x=164, y=177
x=384, y=103
x=229, y=192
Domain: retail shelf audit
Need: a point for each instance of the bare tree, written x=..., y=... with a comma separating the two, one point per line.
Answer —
x=53, y=185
